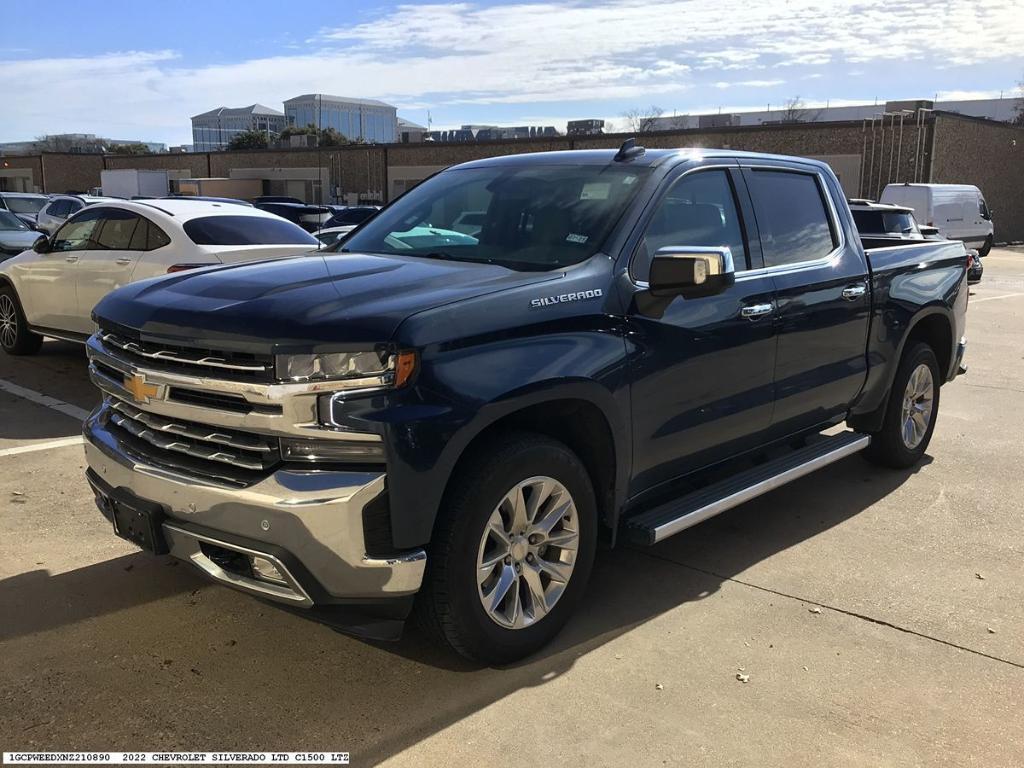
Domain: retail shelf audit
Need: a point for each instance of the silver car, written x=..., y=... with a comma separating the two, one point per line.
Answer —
x=61, y=207
x=24, y=205
x=15, y=235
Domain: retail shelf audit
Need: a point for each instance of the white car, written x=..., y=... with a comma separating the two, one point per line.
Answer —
x=60, y=208
x=52, y=289
x=329, y=237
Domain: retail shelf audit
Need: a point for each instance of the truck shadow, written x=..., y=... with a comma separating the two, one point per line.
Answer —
x=320, y=688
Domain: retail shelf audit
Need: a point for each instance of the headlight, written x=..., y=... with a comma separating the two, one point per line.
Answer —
x=333, y=365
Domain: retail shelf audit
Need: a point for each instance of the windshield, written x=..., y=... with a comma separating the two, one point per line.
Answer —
x=534, y=217
x=247, y=230
x=25, y=204
x=9, y=221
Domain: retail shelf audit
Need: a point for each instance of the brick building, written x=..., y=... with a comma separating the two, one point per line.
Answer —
x=936, y=147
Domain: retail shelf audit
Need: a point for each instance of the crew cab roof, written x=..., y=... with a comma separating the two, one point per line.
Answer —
x=650, y=157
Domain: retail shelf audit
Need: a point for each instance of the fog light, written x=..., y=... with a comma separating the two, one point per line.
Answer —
x=332, y=450
x=263, y=569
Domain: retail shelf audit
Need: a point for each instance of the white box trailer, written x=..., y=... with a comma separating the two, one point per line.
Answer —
x=958, y=211
x=133, y=182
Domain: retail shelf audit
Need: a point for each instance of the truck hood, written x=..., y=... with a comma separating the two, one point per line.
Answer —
x=306, y=303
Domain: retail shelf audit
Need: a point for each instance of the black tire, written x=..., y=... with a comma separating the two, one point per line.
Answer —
x=15, y=336
x=449, y=606
x=985, y=247
x=888, y=446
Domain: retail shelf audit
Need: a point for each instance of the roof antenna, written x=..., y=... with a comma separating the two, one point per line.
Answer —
x=628, y=151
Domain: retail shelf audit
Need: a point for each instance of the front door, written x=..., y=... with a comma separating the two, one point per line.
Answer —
x=119, y=242
x=702, y=371
x=46, y=283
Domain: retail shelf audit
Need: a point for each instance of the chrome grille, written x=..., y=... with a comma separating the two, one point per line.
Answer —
x=221, y=453
x=233, y=365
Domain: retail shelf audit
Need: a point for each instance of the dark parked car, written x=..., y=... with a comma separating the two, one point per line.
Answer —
x=882, y=223
x=15, y=235
x=24, y=205
x=310, y=217
x=228, y=200
x=355, y=214
x=278, y=199
x=975, y=269
x=635, y=342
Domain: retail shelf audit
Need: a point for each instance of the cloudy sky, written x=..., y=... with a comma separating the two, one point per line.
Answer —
x=135, y=70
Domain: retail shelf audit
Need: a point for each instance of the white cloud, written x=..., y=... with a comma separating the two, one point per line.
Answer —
x=462, y=55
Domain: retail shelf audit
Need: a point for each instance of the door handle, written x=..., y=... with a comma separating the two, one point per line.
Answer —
x=70, y=259
x=854, y=292
x=754, y=311
x=124, y=260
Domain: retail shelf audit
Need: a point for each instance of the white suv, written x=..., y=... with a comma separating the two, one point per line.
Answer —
x=52, y=289
x=60, y=208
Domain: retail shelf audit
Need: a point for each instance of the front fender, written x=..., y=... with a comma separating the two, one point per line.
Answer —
x=460, y=393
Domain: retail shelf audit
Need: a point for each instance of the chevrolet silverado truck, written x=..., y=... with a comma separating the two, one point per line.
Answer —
x=448, y=424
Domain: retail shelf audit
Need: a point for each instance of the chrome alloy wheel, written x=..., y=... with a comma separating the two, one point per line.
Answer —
x=528, y=552
x=8, y=321
x=918, y=405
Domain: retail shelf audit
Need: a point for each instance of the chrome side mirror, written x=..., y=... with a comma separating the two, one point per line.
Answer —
x=691, y=270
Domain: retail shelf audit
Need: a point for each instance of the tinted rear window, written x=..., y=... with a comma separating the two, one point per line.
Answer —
x=25, y=204
x=355, y=216
x=246, y=230
x=791, y=216
x=885, y=222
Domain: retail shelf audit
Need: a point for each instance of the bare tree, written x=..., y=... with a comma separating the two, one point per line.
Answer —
x=794, y=110
x=642, y=120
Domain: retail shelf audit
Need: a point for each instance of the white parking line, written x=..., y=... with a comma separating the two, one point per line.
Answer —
x=993, y=298
x=50, y=402
x=64, y=441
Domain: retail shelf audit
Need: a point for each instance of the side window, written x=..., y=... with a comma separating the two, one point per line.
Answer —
x=791, y=216
x=117, y=230
x=699, y=209
x=140, y=237
x=77, y=234
x=59, y=208
x=983, y=209
x=156, y=237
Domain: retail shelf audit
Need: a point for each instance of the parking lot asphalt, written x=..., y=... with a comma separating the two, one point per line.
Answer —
x=878, y=615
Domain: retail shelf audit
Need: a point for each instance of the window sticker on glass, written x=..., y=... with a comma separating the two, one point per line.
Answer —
x=573, y=238
x=628, y=180
x=596, y=190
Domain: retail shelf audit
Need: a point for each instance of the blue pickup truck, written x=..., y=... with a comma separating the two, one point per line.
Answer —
x=434, y=422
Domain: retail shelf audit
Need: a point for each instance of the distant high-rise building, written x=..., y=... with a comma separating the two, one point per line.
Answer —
x=356, y=119
x=213, y=130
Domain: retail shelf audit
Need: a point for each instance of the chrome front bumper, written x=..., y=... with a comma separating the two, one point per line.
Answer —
x=314, y=516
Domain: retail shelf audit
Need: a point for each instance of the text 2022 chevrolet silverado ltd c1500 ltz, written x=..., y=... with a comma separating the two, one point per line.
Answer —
x=427, y=420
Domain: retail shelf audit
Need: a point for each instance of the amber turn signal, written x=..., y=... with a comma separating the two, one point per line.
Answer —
x=405, y=367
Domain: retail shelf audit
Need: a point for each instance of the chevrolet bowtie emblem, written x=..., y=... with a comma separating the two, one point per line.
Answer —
x=136, y=386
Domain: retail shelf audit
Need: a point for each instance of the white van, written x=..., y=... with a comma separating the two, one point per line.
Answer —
x=958, y=210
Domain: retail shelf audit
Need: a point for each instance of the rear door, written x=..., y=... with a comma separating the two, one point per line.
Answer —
x=820, y=278
x=46, y=283
x=119, y=242
x=702, y=370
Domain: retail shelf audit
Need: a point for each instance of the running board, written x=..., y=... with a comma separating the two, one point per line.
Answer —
x=679, y=514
